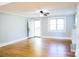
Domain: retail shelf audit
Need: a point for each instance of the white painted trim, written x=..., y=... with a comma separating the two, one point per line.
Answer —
x=67, y=38
x=8, y=43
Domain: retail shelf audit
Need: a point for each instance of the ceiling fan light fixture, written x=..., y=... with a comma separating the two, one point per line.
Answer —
x=41, y=12
x=44, y=13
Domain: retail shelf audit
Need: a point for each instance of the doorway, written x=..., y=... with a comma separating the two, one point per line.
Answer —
x=34, y=28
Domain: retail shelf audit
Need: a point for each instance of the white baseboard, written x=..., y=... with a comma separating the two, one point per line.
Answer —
x=8, y=43
x=67, y=38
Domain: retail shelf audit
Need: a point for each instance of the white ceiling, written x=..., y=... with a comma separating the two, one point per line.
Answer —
x=4, y=3
x=53, y=12
x=33, y=9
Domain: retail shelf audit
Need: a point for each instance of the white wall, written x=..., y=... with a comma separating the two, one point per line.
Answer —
x=12, y=27
x=70, y=21
x=44, y=26
x=77, y=31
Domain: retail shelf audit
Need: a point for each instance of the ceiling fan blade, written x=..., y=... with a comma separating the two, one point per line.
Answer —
x=46, y=14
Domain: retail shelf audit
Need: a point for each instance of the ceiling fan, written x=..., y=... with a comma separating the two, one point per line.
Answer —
x=44, y=13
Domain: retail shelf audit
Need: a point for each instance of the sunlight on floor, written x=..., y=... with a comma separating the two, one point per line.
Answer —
x=37, y=43
x=56, y=50
x=53, y=49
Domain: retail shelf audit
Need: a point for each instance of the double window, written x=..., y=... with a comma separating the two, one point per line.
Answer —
x=57, y=24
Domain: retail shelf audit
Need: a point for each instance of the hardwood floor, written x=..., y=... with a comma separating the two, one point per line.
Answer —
x=35, y=47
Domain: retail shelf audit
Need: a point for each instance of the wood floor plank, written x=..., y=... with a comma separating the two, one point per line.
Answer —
x=38, y=47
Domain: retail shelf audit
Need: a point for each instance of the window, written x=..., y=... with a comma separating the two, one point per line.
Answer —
x=53, y=24
x=56, y=24
x=60, y=24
